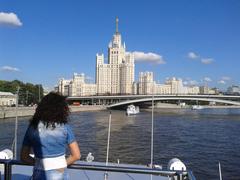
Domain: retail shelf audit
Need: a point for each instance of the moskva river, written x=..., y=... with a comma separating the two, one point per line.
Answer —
x=200, y=138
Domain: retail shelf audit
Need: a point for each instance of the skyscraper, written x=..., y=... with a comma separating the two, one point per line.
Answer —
x=116, y=76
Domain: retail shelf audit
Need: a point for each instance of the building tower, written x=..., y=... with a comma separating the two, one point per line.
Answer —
x=117, y=76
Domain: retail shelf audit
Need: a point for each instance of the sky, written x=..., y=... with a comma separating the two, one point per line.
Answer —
x=197, y=41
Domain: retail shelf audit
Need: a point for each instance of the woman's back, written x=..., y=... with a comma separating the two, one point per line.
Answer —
x=49, y=141
x=48, y=135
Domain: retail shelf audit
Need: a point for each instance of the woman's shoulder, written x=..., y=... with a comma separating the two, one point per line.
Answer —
x=67, y=126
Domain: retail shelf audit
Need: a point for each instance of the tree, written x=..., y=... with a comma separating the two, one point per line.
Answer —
x=28, y=93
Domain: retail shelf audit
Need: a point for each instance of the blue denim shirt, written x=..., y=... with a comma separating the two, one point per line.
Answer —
x=48, y=142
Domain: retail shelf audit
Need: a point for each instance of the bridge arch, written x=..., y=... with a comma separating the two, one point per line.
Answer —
x=174, y=98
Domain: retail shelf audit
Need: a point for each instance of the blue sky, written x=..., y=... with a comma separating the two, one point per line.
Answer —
x=199, y=41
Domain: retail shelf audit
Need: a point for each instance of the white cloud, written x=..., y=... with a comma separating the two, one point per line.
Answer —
x=192, y=55
x=185, y=82
x=190, y=82
x=221, y=82
x=48, y=89
x=89, y=78
x=9, y=68
x=193, y=82
x=226, y=78
x=207, y=79
x=148, y=57
x=9, y=19
x=207, y=60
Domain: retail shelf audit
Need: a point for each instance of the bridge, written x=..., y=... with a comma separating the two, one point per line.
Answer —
x=124, y=100
x=228, y=102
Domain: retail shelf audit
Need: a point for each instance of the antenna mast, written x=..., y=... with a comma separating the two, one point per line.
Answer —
x=117, y=20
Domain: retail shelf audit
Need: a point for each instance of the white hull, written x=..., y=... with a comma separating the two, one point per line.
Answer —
x=197, y=107
x=132, y=110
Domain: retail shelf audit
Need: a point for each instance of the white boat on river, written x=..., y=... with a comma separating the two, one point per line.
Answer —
x=197, y=107
x=131, y=110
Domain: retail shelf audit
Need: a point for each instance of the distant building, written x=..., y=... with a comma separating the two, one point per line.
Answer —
x=117, y=76
x=176, y=86
x=234, y=90
x=7, y=99
x=207, y=90
x=145, y=83
x=193, y=90
x=63, y=86
x=135, y=88
x=76, y=86
x=163, y=89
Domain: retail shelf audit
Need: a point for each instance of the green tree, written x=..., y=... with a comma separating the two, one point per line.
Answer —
x=28, y=93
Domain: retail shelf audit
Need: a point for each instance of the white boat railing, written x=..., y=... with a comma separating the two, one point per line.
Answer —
x=110, y=168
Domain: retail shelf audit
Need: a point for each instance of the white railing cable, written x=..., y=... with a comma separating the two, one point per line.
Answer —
x=220, y=171
x=152, y=131
x=108, y=143
x=109, y=133
x=16, y=125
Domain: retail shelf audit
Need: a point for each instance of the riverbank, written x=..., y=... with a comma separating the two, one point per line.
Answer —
x=87, y=108
x=9, y=112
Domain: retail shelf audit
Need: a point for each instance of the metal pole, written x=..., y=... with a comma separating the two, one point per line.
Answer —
x=109, y=133
x=39, y=93
x=152, y=129
x=220, y=171
x=27, y=98
x=108, y=142
x=7, y=171
x=16, y=125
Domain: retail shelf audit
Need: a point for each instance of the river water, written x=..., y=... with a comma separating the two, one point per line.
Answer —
x=199, y=138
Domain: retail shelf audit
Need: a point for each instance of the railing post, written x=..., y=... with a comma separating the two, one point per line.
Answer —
x=7, y=171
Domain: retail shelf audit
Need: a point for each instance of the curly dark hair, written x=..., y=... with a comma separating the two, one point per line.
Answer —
x=52, y=109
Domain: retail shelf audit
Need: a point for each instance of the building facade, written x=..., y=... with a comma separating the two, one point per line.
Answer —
x=63, y=86
x=233, y=90
x=207, y=90
x=147, y=85
x=7, y=99
x=116, y=76
x=76, y=86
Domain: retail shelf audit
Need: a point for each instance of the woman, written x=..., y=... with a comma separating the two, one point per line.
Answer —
x=48, y=135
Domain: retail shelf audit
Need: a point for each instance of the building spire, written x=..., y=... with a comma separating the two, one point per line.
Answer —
x=117, y=25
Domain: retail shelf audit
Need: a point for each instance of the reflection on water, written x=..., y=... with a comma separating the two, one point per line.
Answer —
x=199, y=138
